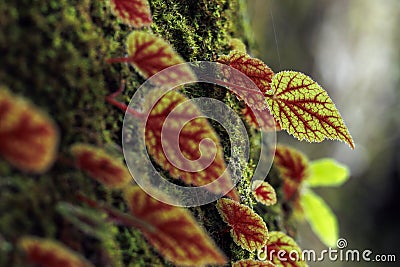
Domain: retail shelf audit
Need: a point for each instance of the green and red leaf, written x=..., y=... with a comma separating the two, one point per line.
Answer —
x=175, y=144
x=150, y=54
x=28, y=137
x=100, y=166
x=254, y=69
x=305, y=110
x=284, y=251
x=253, y=263
x=50, y=253
x=264, y=193
x=293, y=167
x=135, y=13
x=248, y=228
x=263, y=120
x=175, y=234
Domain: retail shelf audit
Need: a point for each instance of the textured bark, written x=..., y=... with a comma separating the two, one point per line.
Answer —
x=53, y=53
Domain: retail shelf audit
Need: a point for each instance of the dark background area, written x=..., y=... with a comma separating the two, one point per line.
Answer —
x=351, y=48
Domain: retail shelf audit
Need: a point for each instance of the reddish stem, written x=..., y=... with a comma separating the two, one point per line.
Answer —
x=111, y=99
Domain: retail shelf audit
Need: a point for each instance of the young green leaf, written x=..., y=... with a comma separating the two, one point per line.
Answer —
x=50, y=253
x=321, y=218
x=279, y=242
x=305, y=110
x=264, y=193
x=327, y=172
x=28, y=136
x=135, y=13
x=248, y=228
x=175, y=233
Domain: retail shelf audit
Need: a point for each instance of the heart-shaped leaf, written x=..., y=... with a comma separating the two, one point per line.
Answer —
x=248, y=228
x=264, y=193
x=305, y=110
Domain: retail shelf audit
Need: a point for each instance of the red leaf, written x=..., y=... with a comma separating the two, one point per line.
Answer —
x=101, y=166
x=264, y=120
x=186, y=159
x=253, y=263
x=284, y=251
x=293, y=167
x=28, y=137
x=248, y=228
x=264, y=193
x=305, y=110
x=253, y=68
x=150, y=54
x=135, y=13
x=176, y=235
x=49, y=253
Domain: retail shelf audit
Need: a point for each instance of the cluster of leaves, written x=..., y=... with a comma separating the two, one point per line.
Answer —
x=297, y=103
x=299, y=176
x=290, y=100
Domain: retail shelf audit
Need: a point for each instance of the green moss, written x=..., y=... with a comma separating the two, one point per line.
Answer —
x=53, y=52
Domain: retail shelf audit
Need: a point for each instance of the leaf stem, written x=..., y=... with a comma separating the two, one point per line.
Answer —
x=118, y=216
x=111, y=99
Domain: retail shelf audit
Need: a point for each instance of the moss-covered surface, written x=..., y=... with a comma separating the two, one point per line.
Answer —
x=53, y=53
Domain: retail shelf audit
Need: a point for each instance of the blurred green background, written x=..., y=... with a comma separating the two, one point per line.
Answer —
x=352, y=49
